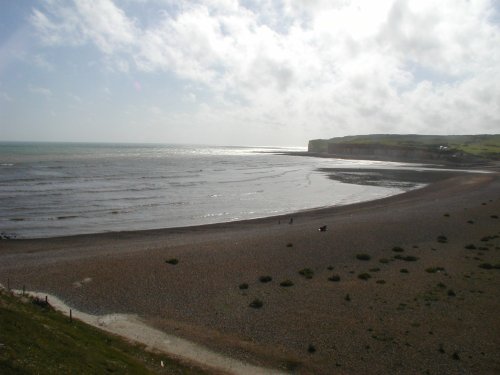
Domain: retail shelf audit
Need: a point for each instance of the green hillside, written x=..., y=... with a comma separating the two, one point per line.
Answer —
x=482, y=145
x=35, y=339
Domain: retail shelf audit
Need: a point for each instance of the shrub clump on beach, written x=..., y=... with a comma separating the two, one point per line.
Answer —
x=172, y=261
x=256, y=304
x=243, y=286
x=286, y=283
x=470, y=246
x=364, y=276
x=265, y=279
x=334, y=278
x=311, y=348
x=397, y=249
x=442, y=239
x=307, y=273
x=408, y=258
x=384, y=260
x=489, y=266
x=363, y=257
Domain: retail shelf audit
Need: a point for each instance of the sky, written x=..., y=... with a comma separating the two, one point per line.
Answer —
x=247, y=72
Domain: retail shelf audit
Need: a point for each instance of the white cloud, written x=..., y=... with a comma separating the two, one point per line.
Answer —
x=43, y=91
x=321, y=68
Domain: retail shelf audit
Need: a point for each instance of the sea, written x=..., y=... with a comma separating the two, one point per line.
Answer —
x=58, y=189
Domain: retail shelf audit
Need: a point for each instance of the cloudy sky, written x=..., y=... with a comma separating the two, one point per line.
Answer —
x=247, y=72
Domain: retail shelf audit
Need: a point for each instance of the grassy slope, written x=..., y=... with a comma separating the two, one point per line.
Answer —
x=36, y=340
x=487, y=146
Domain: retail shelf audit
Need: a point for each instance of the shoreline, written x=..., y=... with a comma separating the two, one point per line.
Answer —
x=411, y=179
x=433, y=176
x=199, y=298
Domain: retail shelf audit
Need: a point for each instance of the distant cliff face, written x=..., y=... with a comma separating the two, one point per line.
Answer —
x=411, y=147
x=384, y=152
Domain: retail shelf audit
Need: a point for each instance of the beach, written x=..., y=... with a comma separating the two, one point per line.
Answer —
x=415, y=288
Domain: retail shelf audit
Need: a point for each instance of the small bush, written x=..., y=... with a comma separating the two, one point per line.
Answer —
x=442, y=239
x=455, y=356
x=243, y=286
x=494, y=216
x=380, y=281
x=289, y=244
x=363, y=257
x=486, y=266
x=347, y=297
x=410, y=258
x=470, y=246
x=307, y=273
x=470, y=221
x=334, y=278
x=265, y=279
x=311, y=349
x=404, y=270
x=256, y=304
x=384, y=260
x=329, y=268
x=397, y=249
x=441, y=285
x=451, y=293
x=286, y=283
x=446, y=215
x=172, y=261
x=364, y=276
x=376, y=269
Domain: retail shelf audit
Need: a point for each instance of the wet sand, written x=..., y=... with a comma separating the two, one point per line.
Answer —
x=427, y=309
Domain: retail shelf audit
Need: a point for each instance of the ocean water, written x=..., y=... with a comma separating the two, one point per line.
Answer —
x=55, y=189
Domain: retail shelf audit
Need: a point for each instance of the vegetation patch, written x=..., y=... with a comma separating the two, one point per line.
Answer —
x=40, y=340
x=286, y=283
x=489, y=266
x=404, y=270
x=384, y=260
x=256, y=304
x=243, y=286
x=380, y=281
x=307, y=273
x=265, y=279
x=470, y=246
x=311, y=349
x=334, y=278
x=172, y=261
x=364, y=276
x=442, y=239
x=376, y=269
x=363, y=257
x=397, y=249
x=408, y=258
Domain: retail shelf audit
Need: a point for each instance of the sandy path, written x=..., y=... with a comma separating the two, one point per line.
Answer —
x=132, y=328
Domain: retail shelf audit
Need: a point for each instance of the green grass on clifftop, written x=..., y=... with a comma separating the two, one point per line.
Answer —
x=39, y=340
x=480, y=145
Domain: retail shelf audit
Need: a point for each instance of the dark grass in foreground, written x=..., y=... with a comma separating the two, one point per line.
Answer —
x=38, y=340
